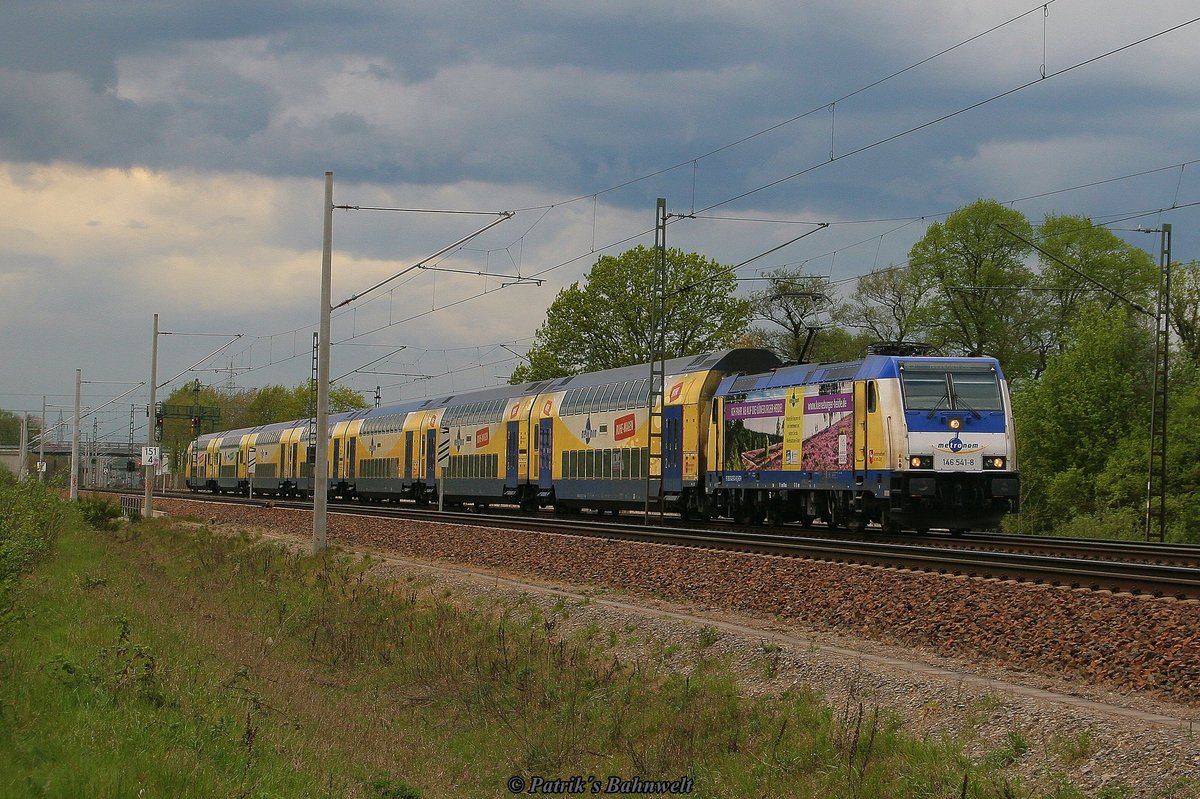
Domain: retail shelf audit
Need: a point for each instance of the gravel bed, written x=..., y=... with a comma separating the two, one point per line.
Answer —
x=1103, y=688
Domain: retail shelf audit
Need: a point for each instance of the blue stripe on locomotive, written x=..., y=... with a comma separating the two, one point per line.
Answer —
x=873, y=367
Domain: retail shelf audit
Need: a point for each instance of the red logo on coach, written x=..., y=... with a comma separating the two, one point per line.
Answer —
x=676, y=390
x=482, y=436
x=624, y=427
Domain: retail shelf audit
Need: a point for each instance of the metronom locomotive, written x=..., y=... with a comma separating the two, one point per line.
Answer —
x=902, y=441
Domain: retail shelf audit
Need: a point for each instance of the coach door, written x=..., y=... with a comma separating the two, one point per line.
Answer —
x=512, y=452
x=672, y=452
x=351, y=448
x=337, y=460
x=408, y=442
x=430, y=457
x=546, y=454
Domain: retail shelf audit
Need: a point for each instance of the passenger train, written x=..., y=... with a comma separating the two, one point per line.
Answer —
x=902, y=441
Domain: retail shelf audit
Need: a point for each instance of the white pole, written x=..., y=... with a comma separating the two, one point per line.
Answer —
x=321, y=462
x=148, y=505
x=24, y=445
x=42, y=445
x=94, y=449
x=75, y=441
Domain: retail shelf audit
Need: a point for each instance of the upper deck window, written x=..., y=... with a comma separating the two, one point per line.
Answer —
x=930, y=386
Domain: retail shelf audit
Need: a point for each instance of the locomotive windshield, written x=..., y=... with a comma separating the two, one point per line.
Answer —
x=930, y=386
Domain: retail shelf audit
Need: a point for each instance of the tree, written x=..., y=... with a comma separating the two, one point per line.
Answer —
x=833, y=344
x=606, y=322
x=10, y=428
x=1093, y=252
x=277, y=404
x=1071, y=421
x=1185, y=307
x=793, y=301
x=830, y=344
x=978, y=269
x=891, y=304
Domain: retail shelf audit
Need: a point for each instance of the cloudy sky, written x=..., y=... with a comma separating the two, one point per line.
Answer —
x=168, y=157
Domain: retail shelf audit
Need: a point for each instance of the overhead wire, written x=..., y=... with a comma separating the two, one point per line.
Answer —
x=950, y=115
x=834, y=157
x=776, y=126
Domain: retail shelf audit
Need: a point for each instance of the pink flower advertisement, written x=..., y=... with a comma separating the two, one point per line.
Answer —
x=801, y=428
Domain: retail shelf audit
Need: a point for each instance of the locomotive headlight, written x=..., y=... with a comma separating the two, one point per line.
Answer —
x=921, y=461
x=915, y=462
x=955, y=423
x=993, y=462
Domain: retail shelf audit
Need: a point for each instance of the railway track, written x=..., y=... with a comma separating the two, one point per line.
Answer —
x=1156, y=570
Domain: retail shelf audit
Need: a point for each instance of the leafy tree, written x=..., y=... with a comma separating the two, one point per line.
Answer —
x=833, y=344
x=10, y=428
x=793, y=302
x=830, y=344
x=979, y=274
x=1094, y=252
x=1185, y=307
x=606, y=322
x=1070, y=422
x=891, y=304
x=1122, y=485
x=344, y=398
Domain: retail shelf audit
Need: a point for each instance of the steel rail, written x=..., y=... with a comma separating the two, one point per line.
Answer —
x=1116, y=576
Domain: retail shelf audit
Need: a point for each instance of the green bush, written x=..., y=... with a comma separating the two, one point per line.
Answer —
x=100, y=514
x=30, y=517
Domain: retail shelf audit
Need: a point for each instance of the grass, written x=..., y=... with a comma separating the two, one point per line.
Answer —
x=165, y=660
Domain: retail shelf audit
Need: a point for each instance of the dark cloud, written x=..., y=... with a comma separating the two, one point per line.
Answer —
x=56, y=116
x=569, y=97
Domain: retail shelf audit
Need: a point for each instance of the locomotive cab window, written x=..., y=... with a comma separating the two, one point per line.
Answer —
x=950, y=386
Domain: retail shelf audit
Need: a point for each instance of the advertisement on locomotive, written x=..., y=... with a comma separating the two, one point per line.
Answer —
x=799, y=428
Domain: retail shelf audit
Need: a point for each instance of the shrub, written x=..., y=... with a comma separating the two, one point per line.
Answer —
x=30, y=516
x=100, y=514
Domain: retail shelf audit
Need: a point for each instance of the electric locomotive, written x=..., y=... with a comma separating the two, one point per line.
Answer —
x=902, y=441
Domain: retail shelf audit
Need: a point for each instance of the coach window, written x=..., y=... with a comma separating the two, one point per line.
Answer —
x=872, y=400
x=624, y=395
x=589, y=399
x=640, y=394
x=609, y=402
